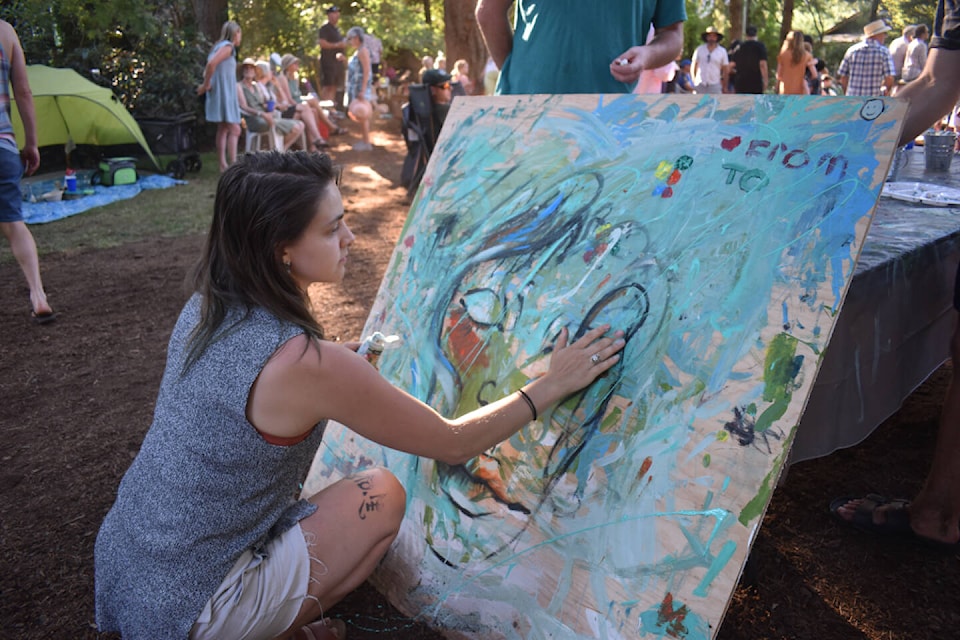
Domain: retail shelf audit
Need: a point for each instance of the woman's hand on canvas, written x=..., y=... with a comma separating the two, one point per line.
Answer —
x=574, y=366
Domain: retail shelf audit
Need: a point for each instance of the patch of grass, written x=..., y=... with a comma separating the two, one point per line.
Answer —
x=177, y=211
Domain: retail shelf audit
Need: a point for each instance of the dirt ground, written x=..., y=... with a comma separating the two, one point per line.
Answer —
x=76, y=398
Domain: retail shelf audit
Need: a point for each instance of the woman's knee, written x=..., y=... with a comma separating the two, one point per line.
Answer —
x=393, y=495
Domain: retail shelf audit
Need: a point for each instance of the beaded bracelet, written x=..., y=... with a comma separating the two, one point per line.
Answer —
x=533, y=407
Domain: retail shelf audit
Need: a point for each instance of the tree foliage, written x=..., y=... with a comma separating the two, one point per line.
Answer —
x=907, y=12
x=152, y=52
x=411, y=27
x=149, y=52
x=284, y=26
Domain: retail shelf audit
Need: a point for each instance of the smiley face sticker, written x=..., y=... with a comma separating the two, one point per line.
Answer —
x=872, y=109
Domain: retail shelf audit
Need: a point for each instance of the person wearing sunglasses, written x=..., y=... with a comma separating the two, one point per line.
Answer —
x=711, y=66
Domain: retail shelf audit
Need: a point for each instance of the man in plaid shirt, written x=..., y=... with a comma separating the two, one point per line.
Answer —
x=867, y=68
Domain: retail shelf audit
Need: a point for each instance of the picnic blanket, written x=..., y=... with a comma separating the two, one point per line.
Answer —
x=42, y=212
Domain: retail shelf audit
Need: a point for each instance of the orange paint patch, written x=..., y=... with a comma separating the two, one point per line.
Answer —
x=466, y=347
x=672, y=618
x=644, y=467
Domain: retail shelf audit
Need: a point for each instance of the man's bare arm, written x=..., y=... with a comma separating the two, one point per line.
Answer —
x=932, y=94
x=663, y=48
x=494, y=23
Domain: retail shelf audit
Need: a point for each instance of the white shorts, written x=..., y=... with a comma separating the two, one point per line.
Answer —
x=261, y=595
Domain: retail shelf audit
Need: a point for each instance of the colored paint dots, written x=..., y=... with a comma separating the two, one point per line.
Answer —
x=669, y=174
x=663, y=170
x=601, y=237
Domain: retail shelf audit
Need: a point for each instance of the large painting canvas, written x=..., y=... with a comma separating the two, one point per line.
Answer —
x=720, y=234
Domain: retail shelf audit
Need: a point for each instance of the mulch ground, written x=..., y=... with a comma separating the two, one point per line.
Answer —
x=76, y=398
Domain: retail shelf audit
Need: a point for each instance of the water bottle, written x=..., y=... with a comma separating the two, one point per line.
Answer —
x=70, y=181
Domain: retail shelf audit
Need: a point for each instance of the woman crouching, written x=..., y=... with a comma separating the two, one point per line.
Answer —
x=208, y=537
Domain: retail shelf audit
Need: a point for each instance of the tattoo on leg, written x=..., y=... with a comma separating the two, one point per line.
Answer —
x=369, y=501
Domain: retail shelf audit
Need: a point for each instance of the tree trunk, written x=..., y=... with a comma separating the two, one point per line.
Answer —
x=787, y=25
x=427, y=17
x=737, y=25
x=210, y=14
x=462, y=38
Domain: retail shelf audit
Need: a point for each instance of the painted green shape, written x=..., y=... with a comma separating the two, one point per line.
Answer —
x=612, y=418
x=758, y=503
x=706, y=460
x=780, y=368
x=428, y=520
x=772, y=413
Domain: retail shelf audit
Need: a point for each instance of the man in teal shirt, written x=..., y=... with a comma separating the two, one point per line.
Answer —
x=571, y=46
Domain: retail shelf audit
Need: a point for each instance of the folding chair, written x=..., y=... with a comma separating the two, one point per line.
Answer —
x=254, y=141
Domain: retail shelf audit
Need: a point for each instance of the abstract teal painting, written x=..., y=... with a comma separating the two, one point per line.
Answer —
x=720, y=234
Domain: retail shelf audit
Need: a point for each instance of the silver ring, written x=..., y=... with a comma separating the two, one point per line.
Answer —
x=595, y=358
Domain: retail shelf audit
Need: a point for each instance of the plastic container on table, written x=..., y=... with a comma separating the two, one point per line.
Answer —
x=938, y=149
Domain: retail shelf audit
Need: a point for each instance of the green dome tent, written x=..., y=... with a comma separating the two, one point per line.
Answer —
x=71, y=108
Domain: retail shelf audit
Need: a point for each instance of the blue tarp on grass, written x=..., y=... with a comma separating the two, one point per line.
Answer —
x=41, y=212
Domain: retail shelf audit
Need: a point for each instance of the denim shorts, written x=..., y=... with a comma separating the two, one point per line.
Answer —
x=11, y=170
x=262, y=594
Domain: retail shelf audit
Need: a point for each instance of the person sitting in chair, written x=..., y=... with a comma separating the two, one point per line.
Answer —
x=257, y=111
x=423, y=117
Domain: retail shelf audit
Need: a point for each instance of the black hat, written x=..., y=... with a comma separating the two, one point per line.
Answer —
x=333, y=8
x=434, y=77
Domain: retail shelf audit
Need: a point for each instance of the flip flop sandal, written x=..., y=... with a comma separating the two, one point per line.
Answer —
x=896, y=524
x=43, y=318
x=896, y=516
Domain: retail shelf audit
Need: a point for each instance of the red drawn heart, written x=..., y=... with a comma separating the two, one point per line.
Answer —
x=730, y=143
x=667, y=193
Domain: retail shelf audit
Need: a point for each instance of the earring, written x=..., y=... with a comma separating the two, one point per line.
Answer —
x=286, y=265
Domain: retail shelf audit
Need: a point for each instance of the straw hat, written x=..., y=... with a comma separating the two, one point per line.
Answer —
x=249, y=61
x=713, y=30
x=288, y=60
x=875, y=28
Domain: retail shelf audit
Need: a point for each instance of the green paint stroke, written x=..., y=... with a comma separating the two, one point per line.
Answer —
x=780, y=369
x=611, y=419
x=759, y=502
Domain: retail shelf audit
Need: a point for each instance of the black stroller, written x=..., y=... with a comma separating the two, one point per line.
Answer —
x=173, y=136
